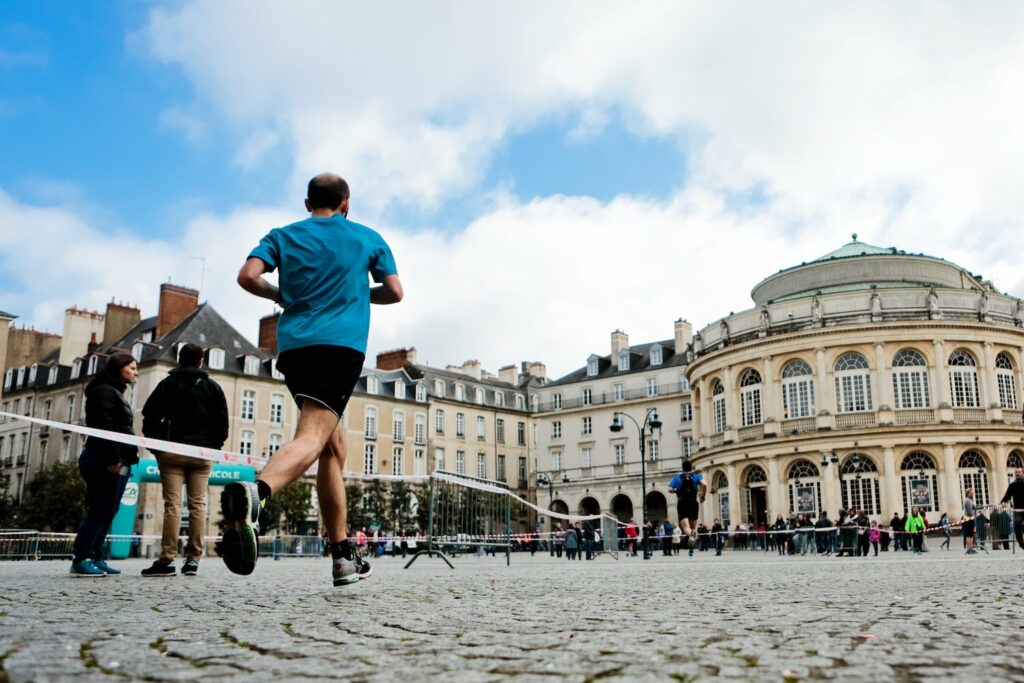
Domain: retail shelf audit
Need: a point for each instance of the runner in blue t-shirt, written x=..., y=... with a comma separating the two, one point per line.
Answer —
x=690, y=490
x=324, y=264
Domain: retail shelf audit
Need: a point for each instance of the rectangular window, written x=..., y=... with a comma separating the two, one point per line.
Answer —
x=652, y=386
x=1007, y=391
x=252, y=365
x=556, y=430
x=248, y=412
x=65, y=449
x=245, y=444
x=502, y=475
x=420, y=429
x=460, y=424
x=398, y=460
x=588, y=457
x=620, y=453
x=438, y=458
x=481, y=428
x=910, y=389
x=588, y=425
x=686, y=412
x=619, y=391
x=521, y=433
x=657, y=356
x=522, y=472
x=853, y=393
x=439, y=421
x=556, y=401
x=420, y=461
x=499, y=430
x=47, y=409
x=481, y=465
x=652, y=451
x=556, y=461
x=370, y=423
x=750, y=406
x=398, y=426
x=684, y=384
x=588, y=397
x=460, y=462
x=276, y=409
x=276, y=441
x=370, y=458
x=687, y=446
x=719, y=409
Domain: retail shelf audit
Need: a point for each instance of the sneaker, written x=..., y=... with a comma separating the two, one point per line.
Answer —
x=159, y=568
x=690, y=553
x=346, y=571
x=190, y=568
x=240, y=505
x=105, y=568
x=85, y=569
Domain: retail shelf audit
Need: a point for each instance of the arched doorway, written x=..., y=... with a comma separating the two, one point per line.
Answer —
x=859, y=484
x=560, y=506
x=755, y=502
x=973, y=475
x=657, y=506
x=919, y=480
x=622, y=507
x=804, y=488
x=589, y=506
x=720, y=494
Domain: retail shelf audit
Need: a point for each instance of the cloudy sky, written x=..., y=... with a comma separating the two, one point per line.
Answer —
x=545, y=172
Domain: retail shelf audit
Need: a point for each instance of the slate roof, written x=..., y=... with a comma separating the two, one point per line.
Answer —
x=639, y=361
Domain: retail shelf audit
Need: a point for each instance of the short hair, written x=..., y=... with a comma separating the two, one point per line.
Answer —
x=326, y=191
x=687, y=466
x=189, y=355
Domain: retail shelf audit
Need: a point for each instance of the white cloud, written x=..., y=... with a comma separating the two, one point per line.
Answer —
x=191, y=127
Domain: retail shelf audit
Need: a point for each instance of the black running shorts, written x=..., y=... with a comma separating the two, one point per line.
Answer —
x=968, y=528
x=325, y=374
x=688, y=509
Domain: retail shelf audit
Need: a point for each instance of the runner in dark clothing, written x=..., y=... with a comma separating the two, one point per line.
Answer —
x=1015, y=493
x=690, y=490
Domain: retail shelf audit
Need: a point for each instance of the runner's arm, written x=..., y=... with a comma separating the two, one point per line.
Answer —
x=702, y=490
x=250, y=278
x=388, y=292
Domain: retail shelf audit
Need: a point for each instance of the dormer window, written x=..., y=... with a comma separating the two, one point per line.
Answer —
x=421, y=392
x=147, y=336
x=9, y=378
x=439, y=388
x=519, y=402
x=480, y=396
x=623, y=361
x=499, y=398
x=657, y=355
x=399, y=389
x=21, y=377
x=593, y=366
x=216, y=359
x=33, y=371
x=460, y=392
x=52, y=377
x=252, y=365
x=137, y=351
x=76, y=369
x=274, y=372
x=94, y=364
x=372, y=384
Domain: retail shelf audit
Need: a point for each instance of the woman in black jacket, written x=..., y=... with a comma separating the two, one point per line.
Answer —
x=105, y=465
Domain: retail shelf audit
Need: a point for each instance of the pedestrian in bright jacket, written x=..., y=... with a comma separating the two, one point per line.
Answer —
x=915, y=527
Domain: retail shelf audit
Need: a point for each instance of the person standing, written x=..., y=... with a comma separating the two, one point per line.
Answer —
x=825, y=534
x=631, y=533
x=323, y=263
x=690, y=491
x=570, y=542
x=944, y=525
x=1015, y=494
x=915, y=529
x=970, y=512
x=874, y=534
x=863, y=526
x=186, y=407
x=105, y=465
x=718, y=532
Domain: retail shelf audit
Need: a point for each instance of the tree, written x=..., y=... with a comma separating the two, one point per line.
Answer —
x=401, y=505
x=354, y=505
x=8, y=508
x=423, y=508
x=376, y=495
x=55, y=499
x=290, y=505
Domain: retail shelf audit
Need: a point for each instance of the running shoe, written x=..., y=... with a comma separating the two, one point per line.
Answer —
x=346, y=572
x=106, y=568
x=240, y=505
x=159, y=568
x=690, y=552
x=86, y=569
x=190, y=568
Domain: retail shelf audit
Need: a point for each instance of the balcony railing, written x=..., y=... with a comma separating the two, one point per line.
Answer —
x=716, y=440
x=798, y=425
x=751, y=432
x=21, y=459
x=968, y=414
x=915, y=416
x=601, y=398
x=852, y=420
x=1012, y=416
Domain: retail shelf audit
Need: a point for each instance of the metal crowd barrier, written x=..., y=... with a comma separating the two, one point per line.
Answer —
x=291, y=546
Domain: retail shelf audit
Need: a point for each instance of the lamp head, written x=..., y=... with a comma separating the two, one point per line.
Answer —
x=654, y=421
x=542, y=479
x=616, y=425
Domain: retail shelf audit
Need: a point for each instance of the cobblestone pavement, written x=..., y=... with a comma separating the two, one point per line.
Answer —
x=747, y=616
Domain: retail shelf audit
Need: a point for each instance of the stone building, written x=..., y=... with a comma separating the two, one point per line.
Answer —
x=868, y=378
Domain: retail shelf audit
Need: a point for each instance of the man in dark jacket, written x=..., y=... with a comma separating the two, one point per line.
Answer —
x=186, y=407
x=1015, y=493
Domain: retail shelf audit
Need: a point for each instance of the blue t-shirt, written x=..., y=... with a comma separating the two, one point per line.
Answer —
x=677, y=483
x=325, y=292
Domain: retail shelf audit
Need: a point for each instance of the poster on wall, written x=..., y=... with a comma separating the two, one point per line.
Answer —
x=805, y=500
x=723, y=507
x=920, y=493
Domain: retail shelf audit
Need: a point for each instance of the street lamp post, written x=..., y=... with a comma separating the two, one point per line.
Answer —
x=544, y=480
x=650, y=421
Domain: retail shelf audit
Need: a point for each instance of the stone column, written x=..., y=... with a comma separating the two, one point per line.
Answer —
x=942, y=394
x=892, y=483
x=954, y=504
x=732, y=404
x=826, y=398
x=696, y=405
x=833, y=494
x=1000, y=472
x=777, y=501
x=883, y=383
x=989, y=388
x=734, y=496
x=772, y=398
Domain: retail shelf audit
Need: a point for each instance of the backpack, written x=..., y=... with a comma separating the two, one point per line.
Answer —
x=687, y=486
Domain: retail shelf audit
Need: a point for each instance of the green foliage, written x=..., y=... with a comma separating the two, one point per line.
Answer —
x=289, y=507
x=423, y=507
x=354, y=505
x=401, y=506
x=376, y=494
x=54, y=500
x=8, y=509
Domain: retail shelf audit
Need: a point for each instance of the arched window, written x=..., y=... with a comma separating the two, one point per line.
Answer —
x=804, y=488
x=920, y=482
x=797, y=390
x=370, y=422
x=1006, y=383
x=721, y=487
x=750, y=397
x=718, y=401
x=753, y=500
x=859, y=484
x=1014, y=460
x=460, y=392
x=910, y=380
x=438, y=388
x=853, y=383
x=974, y=476
x=963, y=380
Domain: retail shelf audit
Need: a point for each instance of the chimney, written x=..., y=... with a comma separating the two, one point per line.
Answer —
x=536, y=369
x=91, y=348
x=80, y=327
x=119, y=319
x=620, y=340
x=684, y=335
x=508, y=375
x=176, y=304
x=472, y=368
x=268, y=333
x=395, y=359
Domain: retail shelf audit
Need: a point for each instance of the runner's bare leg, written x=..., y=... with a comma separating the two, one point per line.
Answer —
x=330, y=486
x=316, y=425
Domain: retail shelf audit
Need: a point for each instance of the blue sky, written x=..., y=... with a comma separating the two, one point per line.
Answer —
x=544, y=176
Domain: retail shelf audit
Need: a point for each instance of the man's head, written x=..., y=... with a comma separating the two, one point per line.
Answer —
x=327, y=191
x=687, y=466
x=190, y=356
x=1019, y=473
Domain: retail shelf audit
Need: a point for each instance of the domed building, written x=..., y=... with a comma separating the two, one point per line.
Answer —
x=868, y=378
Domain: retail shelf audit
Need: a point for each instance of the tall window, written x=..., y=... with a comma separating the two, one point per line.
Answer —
x=439, y=388
x=910, y=380
x=556, y=430
x=481, y=428
x=588, y=425
x=522, y=472
x=804, y=488
x=974, y=476
x=370, y=422
x=1007, y=385
x=460, y=424
x=919, y=479
x=479, y=396
x=71, y=409
x=47, y=409
x=245, y=443
x=252, y=365
x=499, y=430
x=499, y=398
x=619, y=451
x=556, y=461
x=439, y=421
x=588, y=457
x=421, y=392
x=398, y=426
x=797, y=390
x=460, y=392
x=718, y=405
x=686, y=412
x=419, y=461
x=619, y=391
x=398, y=460
x=274, y=444
x=592, y=367
x=420, y=428
x=623, y=361
x=501, y=474
x=750, y=397
x=652, y=386
x=438, y=458
x=460, y=462
x=657, y=355
x=556, y=401
x=963, y=380
x=588, y=396
x=652, y=451
x=372, y=384
x=481, y=465
x=276, y=409
x=858, y=476
x=370, y=458
x=248, y=412
x=521, y=433
x=721, y=487
x=399, y=389
x=65, y=449
x=853, y=383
